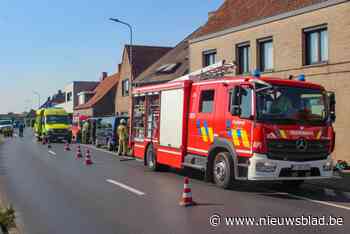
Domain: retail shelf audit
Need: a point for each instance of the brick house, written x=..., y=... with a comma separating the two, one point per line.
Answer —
x=99, y=102
x=283, y=38
x=143, y=57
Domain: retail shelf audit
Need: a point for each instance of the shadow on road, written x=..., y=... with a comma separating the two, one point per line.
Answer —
x=272, y=189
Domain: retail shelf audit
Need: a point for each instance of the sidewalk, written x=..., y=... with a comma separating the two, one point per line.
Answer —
x=4, y=200
x=342, y=183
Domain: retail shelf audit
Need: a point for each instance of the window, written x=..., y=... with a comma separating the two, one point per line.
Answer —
x=292, y=105
x=206, y=104
x=265, y=54
x=242, y=58
x=168, y=68
x=125, y=87
x=315, y=45
x=81, y=99
x=69, y=96
x=209, y=57
x=246, y=103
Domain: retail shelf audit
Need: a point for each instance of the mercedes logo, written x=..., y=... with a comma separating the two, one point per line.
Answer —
x=301, y=144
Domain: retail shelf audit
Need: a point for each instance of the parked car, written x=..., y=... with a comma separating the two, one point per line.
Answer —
x=106, y=132
x=6, y=127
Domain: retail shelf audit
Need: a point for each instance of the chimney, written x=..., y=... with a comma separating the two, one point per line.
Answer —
x=59, y=91
x=119, y=67
x=104, y=75
x=211, y=14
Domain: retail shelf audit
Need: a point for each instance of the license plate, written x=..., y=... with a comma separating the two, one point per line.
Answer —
x=301, y=167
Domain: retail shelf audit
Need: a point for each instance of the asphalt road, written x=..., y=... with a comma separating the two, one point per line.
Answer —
x=55, y=193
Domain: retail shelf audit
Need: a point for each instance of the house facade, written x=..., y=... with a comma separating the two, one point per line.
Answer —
x=71, y=93
x=142, y=57
x=101, y=103
x=283, y=39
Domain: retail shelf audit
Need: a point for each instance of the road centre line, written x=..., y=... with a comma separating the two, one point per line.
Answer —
x=126, y=187
x=51, y=152
x=312, y=200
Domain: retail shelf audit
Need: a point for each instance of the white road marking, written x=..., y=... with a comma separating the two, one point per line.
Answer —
x=51, y=152
x=329, y=192
x=314, y=201
x=124, y=186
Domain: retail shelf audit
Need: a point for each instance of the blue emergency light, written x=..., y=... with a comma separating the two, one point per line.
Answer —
x=302, y=77
x=256, y=73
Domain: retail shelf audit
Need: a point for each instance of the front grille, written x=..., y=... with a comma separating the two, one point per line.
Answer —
x=287, y=150
x=287, y=172
x=59, y=131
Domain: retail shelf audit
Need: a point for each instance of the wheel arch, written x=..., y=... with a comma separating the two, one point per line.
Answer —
x=145, y=153
x=219, y=145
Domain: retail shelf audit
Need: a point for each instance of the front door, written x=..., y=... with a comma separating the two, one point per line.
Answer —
x=201, y=123
x=239, y=127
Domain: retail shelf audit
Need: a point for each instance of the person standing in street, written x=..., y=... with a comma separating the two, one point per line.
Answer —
x=85, y=132
x=20, y=129
x=122, y=132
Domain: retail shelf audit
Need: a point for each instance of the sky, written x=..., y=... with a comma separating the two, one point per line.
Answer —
x=46, y=44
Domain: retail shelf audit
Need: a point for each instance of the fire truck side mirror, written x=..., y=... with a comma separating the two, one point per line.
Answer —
x=332, y=102
x=235, y=108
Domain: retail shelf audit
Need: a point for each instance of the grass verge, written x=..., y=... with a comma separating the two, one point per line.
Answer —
x=7, y=219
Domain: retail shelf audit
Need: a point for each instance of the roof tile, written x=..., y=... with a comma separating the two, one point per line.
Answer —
x=100, y=91
x=234, y=13
x=178, y=55
x=144, y=56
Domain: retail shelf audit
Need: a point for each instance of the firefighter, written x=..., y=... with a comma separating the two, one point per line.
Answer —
x=282, y=105
x=122, y=132
x=85, y=132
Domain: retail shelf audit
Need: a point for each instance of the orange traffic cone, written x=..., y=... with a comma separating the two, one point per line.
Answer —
x=66, y=146
x=88, y=160
x=79, y=154
x=187, y=195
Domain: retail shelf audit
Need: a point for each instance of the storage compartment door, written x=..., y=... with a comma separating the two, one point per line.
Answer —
x=172, y=102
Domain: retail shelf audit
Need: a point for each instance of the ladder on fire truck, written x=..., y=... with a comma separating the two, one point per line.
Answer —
x=213, y=71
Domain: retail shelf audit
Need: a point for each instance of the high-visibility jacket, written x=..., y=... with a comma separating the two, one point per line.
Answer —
x=122, y=132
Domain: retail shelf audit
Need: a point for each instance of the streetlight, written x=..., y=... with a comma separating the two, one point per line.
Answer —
x=38, y=94
x=131, y=63
x=131, y=38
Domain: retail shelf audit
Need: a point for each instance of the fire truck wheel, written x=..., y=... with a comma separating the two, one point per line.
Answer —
x=223, y=171
x=151, y=159
x=292, y=183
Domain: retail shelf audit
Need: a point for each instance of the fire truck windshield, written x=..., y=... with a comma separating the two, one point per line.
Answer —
x=291, y=105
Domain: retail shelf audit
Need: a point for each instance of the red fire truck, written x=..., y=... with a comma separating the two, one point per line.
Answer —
x=236, y=128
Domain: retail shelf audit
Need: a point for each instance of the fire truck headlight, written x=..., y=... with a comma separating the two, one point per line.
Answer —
x=328, y=166
x=264, y=166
